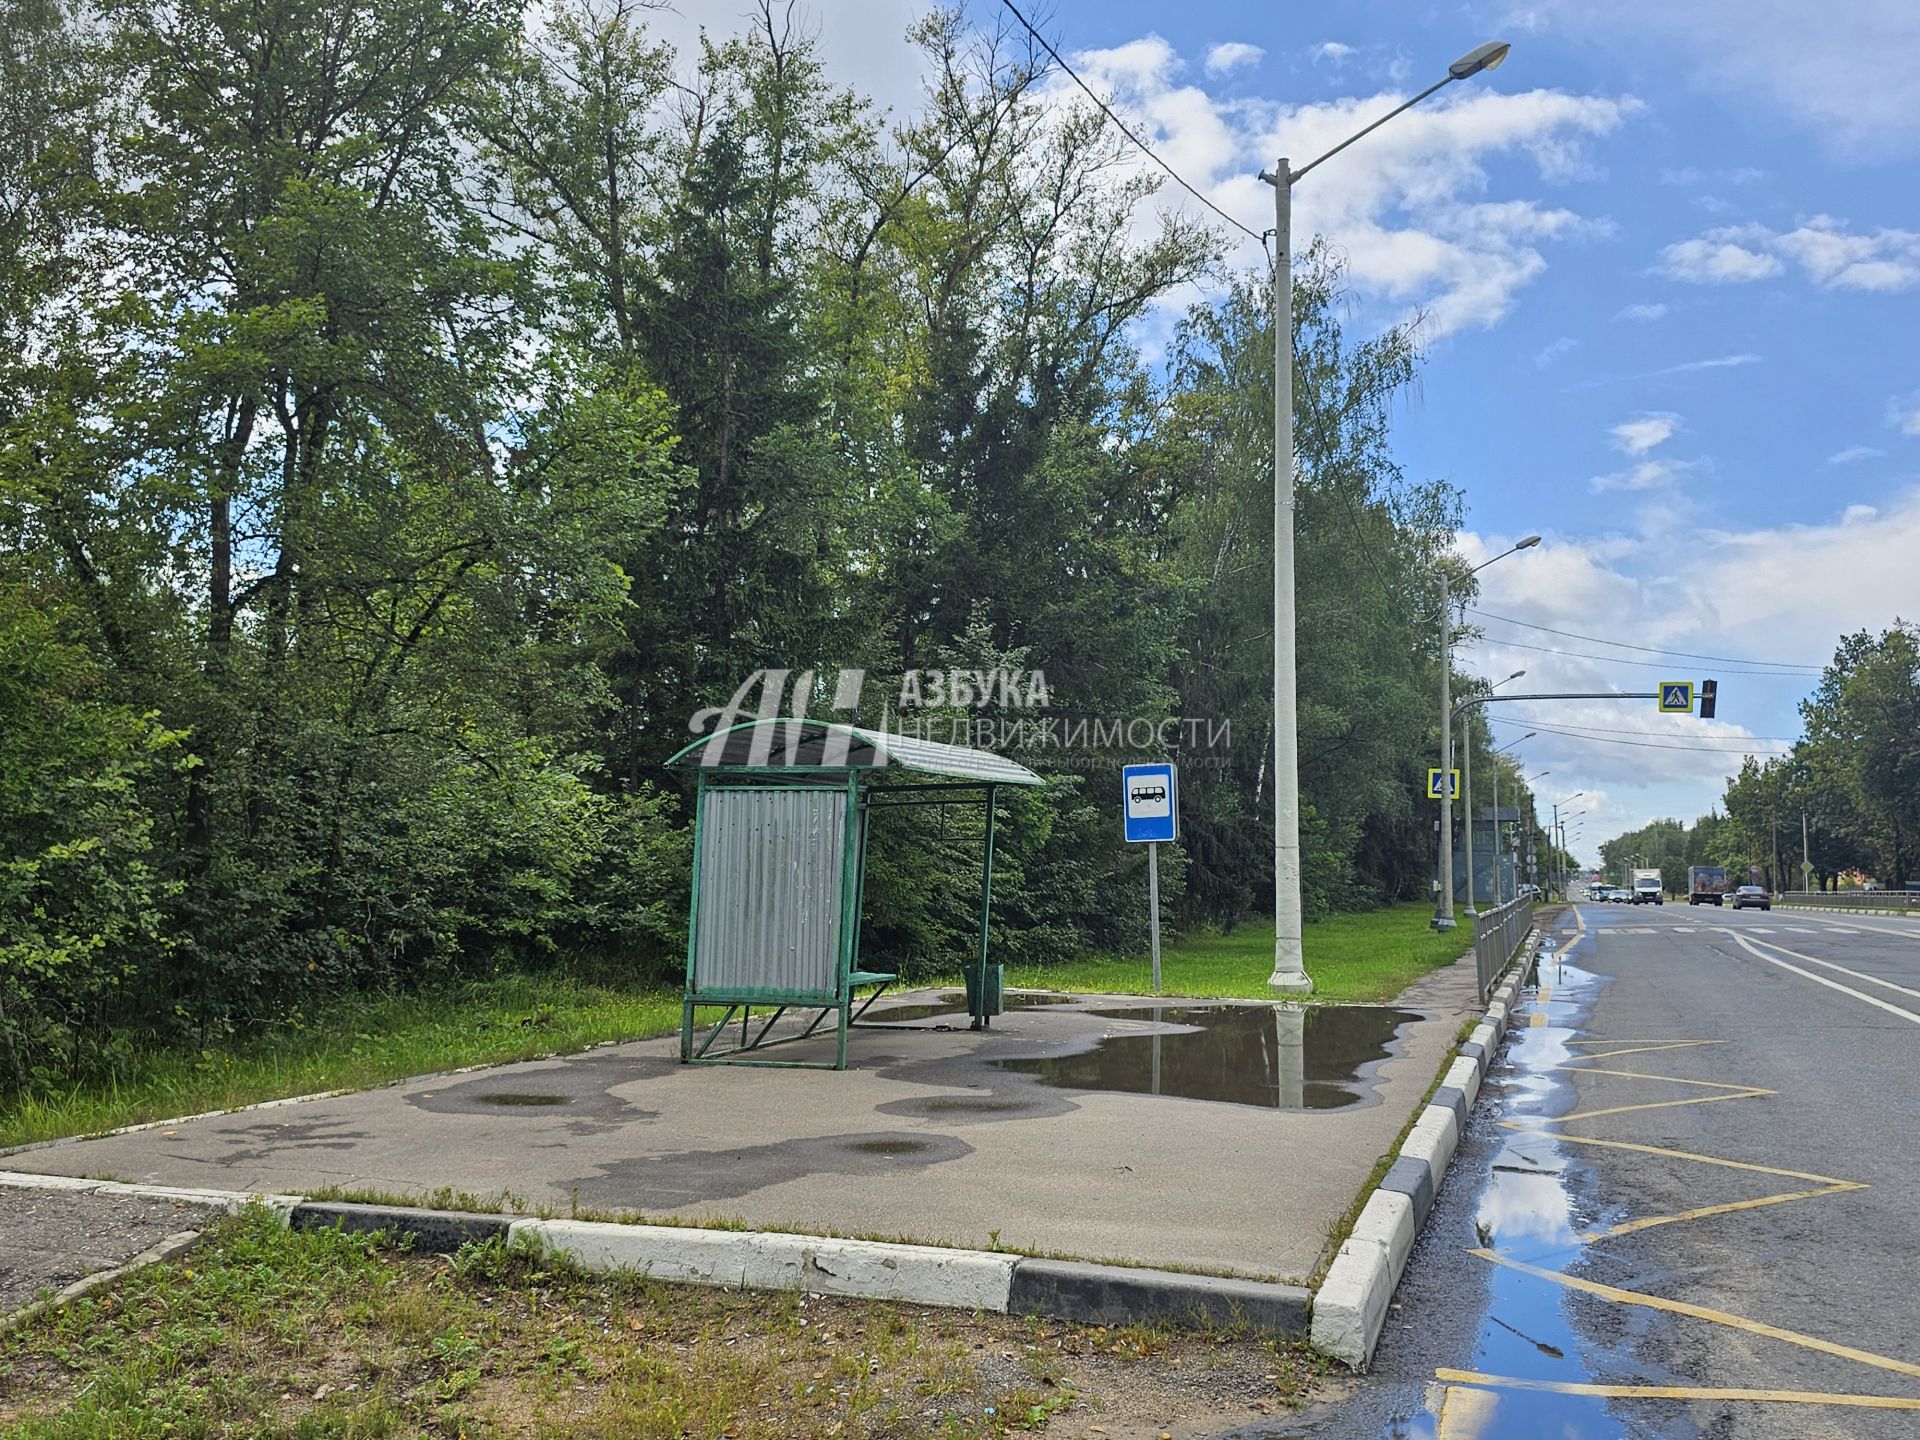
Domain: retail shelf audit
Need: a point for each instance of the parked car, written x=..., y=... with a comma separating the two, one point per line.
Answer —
x=1752, y=895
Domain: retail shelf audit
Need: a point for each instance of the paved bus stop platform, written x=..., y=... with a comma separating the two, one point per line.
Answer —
x=1041, y=1134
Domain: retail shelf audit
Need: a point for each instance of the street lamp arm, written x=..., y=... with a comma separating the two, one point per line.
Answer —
x=1362, y=134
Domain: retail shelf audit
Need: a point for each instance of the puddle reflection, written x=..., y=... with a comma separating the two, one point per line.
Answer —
x=1280, y=1057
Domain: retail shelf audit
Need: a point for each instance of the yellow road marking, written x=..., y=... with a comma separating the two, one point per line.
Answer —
x=1546, y=993
x=1464, y=1413
x=1669, y=1079
x=1656, y=1105
x=1872, y=1000
x=1630, y=1226
x=1681, y=1155
x=1701, y=1312
x=1676, y=1392
x=1637, y=1047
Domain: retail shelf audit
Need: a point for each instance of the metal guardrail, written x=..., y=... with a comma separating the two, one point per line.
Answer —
x=1896, y=902
x=1497, y=933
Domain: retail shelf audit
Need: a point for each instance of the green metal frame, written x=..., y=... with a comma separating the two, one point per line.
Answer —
x=839, y=1003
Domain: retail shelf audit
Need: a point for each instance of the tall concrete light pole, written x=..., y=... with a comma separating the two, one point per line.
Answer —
x=1466, y=792
x=1553, y=834
x=1443, y=909
x=1289, y=962
x=1499, y=896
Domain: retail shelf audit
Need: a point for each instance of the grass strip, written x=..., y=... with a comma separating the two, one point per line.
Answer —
x=316, y=1334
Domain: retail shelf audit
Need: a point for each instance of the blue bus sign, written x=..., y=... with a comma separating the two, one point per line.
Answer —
x=1149, y=799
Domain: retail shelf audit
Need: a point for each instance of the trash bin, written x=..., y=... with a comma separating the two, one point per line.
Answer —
x=987, y=999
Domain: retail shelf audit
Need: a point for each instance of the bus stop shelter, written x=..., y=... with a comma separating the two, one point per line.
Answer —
x=783, y=810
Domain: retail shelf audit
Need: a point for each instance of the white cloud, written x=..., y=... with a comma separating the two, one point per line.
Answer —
x=1332, y=52
x=1853, y=454
x=1782, y=594
x=1903, y=412
x=1413, y=217
x=1849, y=72
x=1233, y=55
x=1717, y=362
x=1643, y=433
x=1715, y=259
x=1648, y=475
x=1553, y=350
x=1643, y=313
x=1830, y=254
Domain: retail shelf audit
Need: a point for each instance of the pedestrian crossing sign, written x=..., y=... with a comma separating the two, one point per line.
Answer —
x=1443, y=789
x=1676, y=697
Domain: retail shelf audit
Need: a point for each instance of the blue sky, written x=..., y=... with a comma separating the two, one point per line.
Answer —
x=1669, y=257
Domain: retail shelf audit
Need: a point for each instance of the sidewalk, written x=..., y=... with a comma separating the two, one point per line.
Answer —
x=925, y=1138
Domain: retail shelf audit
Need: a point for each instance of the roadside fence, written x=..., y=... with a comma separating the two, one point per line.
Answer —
x=1497, y=933
x=1898, y=902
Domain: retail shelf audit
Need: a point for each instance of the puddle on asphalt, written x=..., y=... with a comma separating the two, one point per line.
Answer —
x=513, y=1097
x=954, y=1002
x=1282, y=1057
x=890, y=1147
x=1527, y=1214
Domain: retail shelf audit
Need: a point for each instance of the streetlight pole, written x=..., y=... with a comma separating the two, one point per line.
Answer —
x=1289, y=961
x=1498, y=898
x=1443, y=910
x=1466, y=794
x=1553, y=834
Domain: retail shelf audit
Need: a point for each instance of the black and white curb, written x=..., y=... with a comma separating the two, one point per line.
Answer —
x=1859, y=910
x=776, y=1260
x=1350, y=1307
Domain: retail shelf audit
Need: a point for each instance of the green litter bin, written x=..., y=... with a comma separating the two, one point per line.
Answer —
x=985, y=999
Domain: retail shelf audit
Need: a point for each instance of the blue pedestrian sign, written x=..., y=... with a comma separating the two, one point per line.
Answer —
x=1443, y=784
x=1676, y=697
x=1150, y=800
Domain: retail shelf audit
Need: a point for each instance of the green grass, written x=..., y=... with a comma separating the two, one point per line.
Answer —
x=1371, y=956
x=324, y=1336
x=352, y=1045
x=370, y=1041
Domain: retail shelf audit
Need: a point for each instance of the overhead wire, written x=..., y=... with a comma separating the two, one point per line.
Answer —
x=1654, y=745
x=1144, y=148
x=1624, y=660
x=1645, y=649
x=1605, y=730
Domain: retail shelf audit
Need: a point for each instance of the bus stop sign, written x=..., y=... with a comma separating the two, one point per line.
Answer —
x=1149, y=800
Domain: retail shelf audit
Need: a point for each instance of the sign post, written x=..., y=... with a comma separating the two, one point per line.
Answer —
x=1150, y=803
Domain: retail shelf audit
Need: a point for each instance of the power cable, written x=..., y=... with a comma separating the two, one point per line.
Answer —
x=1623, y=660
x=1651, y=745
x=1604, y=730
x=1645, y=649
x=1121, y=125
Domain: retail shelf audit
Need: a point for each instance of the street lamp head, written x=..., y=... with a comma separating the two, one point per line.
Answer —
x=1531, y=540
x=1514, y=676
x=1481, y=57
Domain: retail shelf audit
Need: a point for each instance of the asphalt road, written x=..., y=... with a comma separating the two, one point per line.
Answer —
x=1693, y=1174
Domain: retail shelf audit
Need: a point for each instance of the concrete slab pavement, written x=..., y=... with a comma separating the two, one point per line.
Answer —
x=926, y=1138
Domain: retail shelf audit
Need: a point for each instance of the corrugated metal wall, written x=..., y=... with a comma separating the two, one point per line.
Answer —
x=770, y=890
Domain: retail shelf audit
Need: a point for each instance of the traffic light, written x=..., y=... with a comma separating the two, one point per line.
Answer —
x=1708, y=690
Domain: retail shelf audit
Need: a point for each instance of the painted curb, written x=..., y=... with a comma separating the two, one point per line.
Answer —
x=777, y=1260
x=1116, y=1295
x=1350, y=1308
x=773, y=1260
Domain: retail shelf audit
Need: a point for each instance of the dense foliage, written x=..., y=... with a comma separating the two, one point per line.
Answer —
x=411, y=414
x=1846, y=797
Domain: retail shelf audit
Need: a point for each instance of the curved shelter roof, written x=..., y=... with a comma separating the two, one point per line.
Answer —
x=760, y=746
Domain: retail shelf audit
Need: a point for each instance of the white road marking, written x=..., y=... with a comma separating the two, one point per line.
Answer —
x=1856, y=974
x=1757, y=929
x=1872, y=1000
